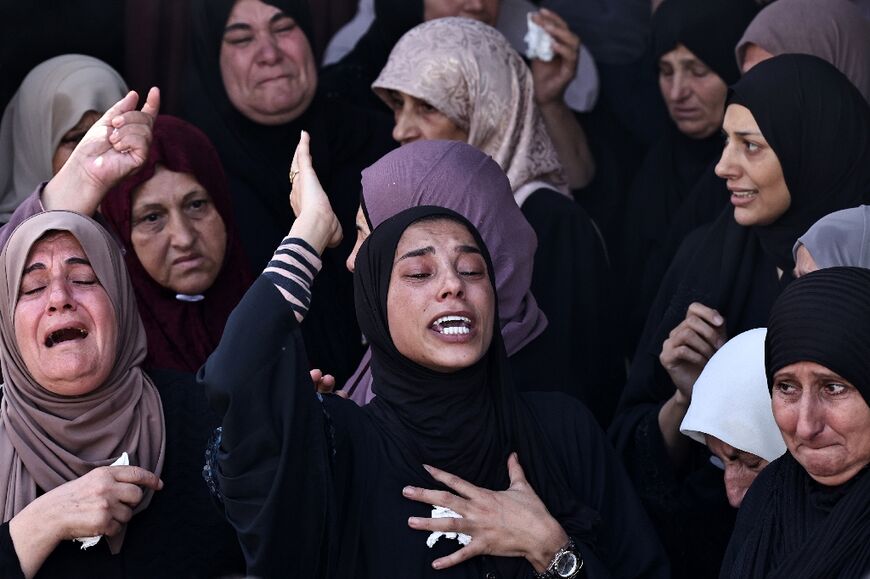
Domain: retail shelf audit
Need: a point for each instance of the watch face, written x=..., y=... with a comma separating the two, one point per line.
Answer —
x=566, y=565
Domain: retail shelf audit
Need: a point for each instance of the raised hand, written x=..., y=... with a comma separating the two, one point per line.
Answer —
x=552, y=78
x=509, y=523
x=315, y=220
x=114, y=147
x=691, y=345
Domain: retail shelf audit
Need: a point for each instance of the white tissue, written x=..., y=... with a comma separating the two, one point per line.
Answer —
x=539, y=44
x=441, y=513
x=88, y=542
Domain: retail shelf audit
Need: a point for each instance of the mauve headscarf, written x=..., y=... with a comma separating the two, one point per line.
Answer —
x=468, y=71
x=50, y=101
x=459, y=177
x=839, y=239
x=47, y=439
x=181, y=334
x=833, y=30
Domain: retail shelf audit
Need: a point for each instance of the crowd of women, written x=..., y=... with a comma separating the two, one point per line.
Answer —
x=548, y=321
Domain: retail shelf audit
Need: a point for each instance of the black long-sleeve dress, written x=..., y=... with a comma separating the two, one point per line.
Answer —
x=181, y=533
x=313, y=485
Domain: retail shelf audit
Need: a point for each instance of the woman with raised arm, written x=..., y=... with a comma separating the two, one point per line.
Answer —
x=317, y=486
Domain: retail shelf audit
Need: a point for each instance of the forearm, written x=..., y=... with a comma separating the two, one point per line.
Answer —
x=551, y=538
x=670, y=417
x=569, y=139
x=32, y=533
x=292, y=270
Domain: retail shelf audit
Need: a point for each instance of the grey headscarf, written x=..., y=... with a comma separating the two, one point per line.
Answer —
x=50, y=101
x=839, y=239
x=833, y=30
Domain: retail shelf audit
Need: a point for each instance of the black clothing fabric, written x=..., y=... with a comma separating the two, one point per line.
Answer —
x=823, y=318
x=350, y=79
x=709, y=29
x=675, y=192
x=734, y=269
x=181, y=533
x=347, y=517
x=344, y=140
x=791, y=527
x=573, y=285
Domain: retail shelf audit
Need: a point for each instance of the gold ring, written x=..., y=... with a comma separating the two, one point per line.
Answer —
x=293, y=176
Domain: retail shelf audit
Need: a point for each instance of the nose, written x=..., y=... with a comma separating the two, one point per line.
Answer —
x=60, y=297
x=406, y=129
x=182, y=233
x=726, y=168
x=679, y=87
x=737, y=482
x=452, y=285
x=811, y=418
x=351, y=259
x=267, y=50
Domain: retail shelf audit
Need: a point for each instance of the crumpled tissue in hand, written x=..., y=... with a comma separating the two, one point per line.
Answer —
x=444, y=512
x=539, y=44
x=88, y=542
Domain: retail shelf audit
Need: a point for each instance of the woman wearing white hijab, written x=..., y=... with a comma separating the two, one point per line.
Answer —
x=55, y=105
x=730, y=413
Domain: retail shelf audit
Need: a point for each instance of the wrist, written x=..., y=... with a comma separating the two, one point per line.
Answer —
x=314, y=228
x=69, y=192
x=541, y=552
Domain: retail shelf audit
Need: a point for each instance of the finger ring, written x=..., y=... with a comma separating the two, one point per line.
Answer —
x=293, y=176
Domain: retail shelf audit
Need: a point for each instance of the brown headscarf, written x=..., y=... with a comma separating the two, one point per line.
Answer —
x=833, y=30
x=468, y=71
x=46, y=439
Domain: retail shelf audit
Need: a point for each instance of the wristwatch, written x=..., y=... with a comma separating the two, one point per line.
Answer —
x=566, y=563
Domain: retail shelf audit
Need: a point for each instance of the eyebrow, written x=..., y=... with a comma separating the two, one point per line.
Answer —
x=246, y=27
x=41, y=266
x=431, y=250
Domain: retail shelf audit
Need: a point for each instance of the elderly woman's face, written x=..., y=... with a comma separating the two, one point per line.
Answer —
x=65, y=325
x=266, y=64
x=177, y=233
x=804, y=262
x=752, y=55
x=824, y=420
x=741, y=468
x=752, y=171
x=440, y=305
x=693, y=93
x=484, y=10
x=417, y=120
x=71, y=138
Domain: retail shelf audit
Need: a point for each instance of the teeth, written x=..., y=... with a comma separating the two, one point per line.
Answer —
x=455, y=330
x=446, y=319
x=743, y=193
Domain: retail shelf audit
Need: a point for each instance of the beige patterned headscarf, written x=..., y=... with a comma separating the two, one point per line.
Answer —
x=47, y=439
x=468, y=71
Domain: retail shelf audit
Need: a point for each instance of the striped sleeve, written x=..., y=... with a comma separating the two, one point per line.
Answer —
x=292, y=270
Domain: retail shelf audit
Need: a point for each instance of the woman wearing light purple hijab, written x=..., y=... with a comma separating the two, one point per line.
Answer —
x=560, y=346
x=841, y=238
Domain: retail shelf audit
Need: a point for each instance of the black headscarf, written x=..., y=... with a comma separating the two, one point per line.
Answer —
x=466, y=422
x=710, y=29
x=791, y=526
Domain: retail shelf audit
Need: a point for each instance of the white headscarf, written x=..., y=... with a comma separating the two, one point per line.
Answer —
x=730, y=399
x=50, y=101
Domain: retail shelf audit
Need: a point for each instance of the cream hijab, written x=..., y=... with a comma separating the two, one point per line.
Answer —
x=46, y=439
x=730, y=399
x=50, y=101
x=468, y=71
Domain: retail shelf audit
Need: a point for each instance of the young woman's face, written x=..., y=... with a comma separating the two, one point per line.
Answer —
x=694, y=94
x=440, y=304
x=484, y=10
x=418, y=120
x=65, y=324
x=177, y=233
x=752, y=171
x=362, y=232
x=266, y=64
x=741, y=468
x=824, y=420
x=804, y=262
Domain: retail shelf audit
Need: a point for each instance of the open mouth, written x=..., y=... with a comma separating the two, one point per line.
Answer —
x=452, y=325
x=65, y=335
